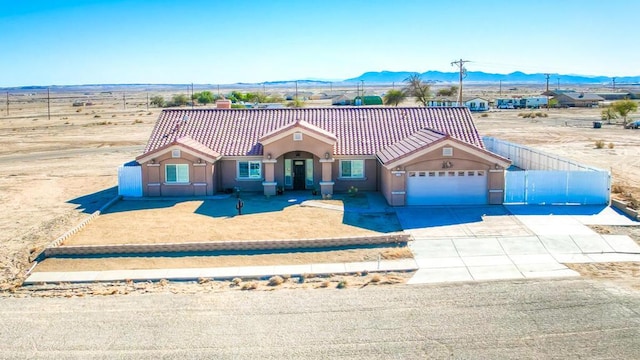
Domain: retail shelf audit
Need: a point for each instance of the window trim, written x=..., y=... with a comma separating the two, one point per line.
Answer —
x=351, y=177
x=249, y=163
x=178, y=173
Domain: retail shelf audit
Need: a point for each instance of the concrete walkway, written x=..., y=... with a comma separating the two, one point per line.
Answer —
x=517, y=242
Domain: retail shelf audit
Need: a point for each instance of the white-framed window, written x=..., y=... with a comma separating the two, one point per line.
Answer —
x=249, y=169
x=447, y=151
x=352, y=169
x=297, y=136
x=175, y=153
x=176, y=173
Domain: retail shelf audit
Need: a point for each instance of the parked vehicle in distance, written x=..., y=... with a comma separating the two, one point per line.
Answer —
x=633, y=125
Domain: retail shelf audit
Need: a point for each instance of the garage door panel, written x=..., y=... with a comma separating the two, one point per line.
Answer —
x=446, y=187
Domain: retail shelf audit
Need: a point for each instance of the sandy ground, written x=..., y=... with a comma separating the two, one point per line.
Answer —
x=57, y=171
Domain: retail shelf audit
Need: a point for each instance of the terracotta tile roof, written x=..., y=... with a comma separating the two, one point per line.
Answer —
x=189, y=143
x=421, y=139
x=359, y=130
x=302, y=124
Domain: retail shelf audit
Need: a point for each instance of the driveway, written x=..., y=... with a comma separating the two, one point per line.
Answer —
x=469, y=243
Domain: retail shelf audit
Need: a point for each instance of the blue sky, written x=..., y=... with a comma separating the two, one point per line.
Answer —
x=66, y=42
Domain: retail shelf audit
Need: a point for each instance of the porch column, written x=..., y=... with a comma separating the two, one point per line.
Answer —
x=326, y=185
x=269, y=183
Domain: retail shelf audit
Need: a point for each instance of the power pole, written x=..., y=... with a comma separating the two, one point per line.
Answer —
x=124, y=100
x=547, y=92
x=7, y=103
x=500, y=87
x=460, y=64
x=192, y=99
x=614, y=83
x=147, y=101
x=48, y=105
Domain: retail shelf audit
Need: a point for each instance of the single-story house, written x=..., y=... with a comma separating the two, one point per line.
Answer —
x=574, y=99
x=412, y=155
x=474, y=104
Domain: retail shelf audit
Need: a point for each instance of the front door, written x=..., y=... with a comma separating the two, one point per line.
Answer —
x=298, y=175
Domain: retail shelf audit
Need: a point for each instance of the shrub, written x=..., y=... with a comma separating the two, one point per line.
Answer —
x=611, y=145
x=236, y=281
x=353, y=191
x=342, y=284
x=97, y=116
x=617, y=189
x=599, y=144
x=324, y=284
x=276, y=280
x=484, y=115
x=249, y=286
x=376, y=278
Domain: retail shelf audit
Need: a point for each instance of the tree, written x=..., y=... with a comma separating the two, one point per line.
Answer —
x=204, y=97
x=179, y=100
x=394, y=97
x=157, y=101
x=624, y=107
x=295, y=103
x=608, y=114
x=448, y=92
x=419, y=89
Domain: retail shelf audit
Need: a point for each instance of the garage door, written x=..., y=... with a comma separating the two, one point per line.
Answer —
x=446, y=187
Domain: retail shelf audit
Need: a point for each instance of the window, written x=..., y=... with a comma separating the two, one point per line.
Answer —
x=353, y=169
x=175, y=153
x=288, y=178
x=447, y=151
x=249, y=169
x=309, y=173
x=176, y=173
x=297, y=136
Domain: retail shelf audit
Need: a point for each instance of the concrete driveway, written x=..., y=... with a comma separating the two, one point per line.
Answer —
x=469, y=243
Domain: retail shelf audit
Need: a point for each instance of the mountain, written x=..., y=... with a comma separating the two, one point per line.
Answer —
x=482, y=77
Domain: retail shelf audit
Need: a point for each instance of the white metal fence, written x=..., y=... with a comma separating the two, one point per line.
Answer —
x=549, y=179
x=130, y=180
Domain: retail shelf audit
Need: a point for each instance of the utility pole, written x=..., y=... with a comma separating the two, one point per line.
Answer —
x=362, y=97
x=7, y=103
x=558, y=86
x=192, y=99
x=296, y=98
x=614, y=83
x=547, y=92
x=460, y=64
x=500, y=87
x=124, y=100
x=218, y=90
x=147, y=101
x=48, y=105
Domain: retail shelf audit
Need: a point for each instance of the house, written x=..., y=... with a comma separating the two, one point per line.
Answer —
x=368, y=100
x=574, y=99
x=413, y=156
x=344, y=99
x=477, y=104
x=474, y=104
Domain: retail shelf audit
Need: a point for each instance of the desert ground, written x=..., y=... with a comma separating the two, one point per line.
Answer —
x=59, y=161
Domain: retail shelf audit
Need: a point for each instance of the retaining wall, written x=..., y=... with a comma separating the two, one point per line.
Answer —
x=240, y=245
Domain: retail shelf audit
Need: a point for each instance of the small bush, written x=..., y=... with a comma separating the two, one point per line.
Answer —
x=617, y=189
x=236, y=281
x=324, y=284
x=484, y=115
x=276, y=280
x=611, y=146
x=249, y=286
x=97, y=116
x=375, y=278
x=342, y=284
x=599, y=144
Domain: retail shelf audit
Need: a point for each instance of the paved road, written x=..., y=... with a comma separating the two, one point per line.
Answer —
x=517, y=319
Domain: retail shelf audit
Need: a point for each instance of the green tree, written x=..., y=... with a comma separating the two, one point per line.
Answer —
x=179, y=100
x=204, y=97
x=608, y=114
x=419, y=89
x=157, y=101
x=453, y=90
x=394, y=97
x=295, y=103
x=624, y=107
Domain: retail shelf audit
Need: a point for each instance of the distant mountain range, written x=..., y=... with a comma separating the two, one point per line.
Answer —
x=482, y=77
x=372, y=77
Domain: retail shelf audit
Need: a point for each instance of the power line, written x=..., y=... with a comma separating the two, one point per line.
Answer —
x=460, y=64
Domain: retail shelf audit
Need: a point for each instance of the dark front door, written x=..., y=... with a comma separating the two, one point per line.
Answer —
x=298, y=175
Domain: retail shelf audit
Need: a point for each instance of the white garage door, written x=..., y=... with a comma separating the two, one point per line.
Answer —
x=447, y=187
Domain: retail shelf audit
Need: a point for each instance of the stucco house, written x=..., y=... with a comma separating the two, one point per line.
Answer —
x=413, y=156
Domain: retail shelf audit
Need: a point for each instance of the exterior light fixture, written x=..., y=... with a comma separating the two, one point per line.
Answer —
x=327, y=155
x=269, y=156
